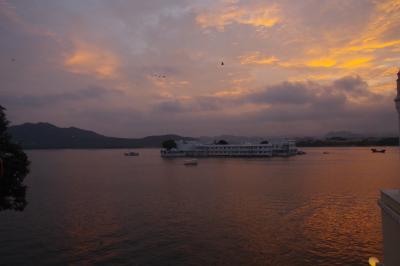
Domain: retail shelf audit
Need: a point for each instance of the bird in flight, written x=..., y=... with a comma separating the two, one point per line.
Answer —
x=159, y=76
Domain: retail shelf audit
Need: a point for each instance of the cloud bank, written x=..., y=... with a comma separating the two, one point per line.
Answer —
x=130, y=68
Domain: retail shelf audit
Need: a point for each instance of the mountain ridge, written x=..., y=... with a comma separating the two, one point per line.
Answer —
x=43, y=135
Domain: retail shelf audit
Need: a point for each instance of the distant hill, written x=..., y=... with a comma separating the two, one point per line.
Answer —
x=343, y=135
x=343, y=142
x=48, y=136
x=231, y=139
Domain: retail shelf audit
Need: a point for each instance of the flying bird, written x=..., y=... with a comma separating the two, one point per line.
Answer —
x=159, y=76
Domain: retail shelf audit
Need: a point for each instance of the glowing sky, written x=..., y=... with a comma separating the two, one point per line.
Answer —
x=135, y=68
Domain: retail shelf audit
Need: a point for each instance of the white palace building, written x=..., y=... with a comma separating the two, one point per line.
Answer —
x=197, y=149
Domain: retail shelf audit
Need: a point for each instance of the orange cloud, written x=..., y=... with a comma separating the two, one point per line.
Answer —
x=231, y=92
x=257, y=58
x=356, y=63
x=91, y=60
x=169, y=83
x=372, y=38
x=333, y=61
x=226, y=15
x=366, y=47
x=340, y=62
x=322, y=62
x=241, y=81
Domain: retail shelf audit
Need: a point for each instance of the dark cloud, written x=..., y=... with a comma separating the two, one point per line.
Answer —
x=92, y=92
x=330, y=95
x=171, y=106
x=195, y=104
x=312, y=94
x=284, y=93
x=306, y=107
x=209, y=103
x=352, y=85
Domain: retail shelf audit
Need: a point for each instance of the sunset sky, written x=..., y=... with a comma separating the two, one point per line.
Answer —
x=137, y=68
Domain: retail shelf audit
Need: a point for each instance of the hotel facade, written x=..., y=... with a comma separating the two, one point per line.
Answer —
x=197, y=149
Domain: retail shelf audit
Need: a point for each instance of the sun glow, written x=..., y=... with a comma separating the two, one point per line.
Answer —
x=92, y=61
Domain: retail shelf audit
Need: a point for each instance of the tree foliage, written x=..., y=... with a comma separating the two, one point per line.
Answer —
x=15, y=168
x=222, y=142
x=169, y=144
x=264, y=142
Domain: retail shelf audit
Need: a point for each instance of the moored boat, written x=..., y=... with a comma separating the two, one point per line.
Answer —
x=131, y=153
x=378, y=151
x=190, y=162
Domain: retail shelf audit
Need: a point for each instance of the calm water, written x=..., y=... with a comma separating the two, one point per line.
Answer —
x=99, y=207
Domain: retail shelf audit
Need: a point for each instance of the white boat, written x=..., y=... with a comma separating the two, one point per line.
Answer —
x=131, y=153
x=190, y=162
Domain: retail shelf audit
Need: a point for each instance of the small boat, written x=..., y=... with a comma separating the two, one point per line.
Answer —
x=131, y=153
x=190, y=162
x=378, y=151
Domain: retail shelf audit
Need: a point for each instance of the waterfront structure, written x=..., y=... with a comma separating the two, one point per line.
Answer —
x=390, y=210
x=397, y=101
x=197, y=149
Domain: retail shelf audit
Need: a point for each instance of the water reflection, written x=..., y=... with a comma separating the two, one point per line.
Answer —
x=99, y=207
x=13, y=169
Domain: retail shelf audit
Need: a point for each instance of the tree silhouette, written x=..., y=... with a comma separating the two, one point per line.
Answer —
x=169, y=144
x=15, y=166
x=264, y=142
x=222, y=142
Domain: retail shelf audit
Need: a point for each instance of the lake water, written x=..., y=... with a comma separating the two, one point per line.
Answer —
x=100, y=207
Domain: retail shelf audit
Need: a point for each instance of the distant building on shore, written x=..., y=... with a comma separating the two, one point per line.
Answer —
x=197, y=149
